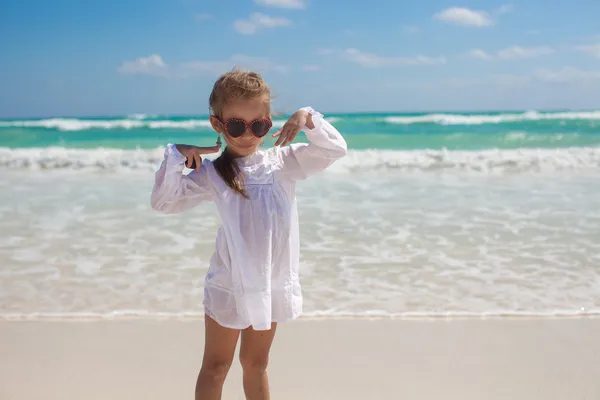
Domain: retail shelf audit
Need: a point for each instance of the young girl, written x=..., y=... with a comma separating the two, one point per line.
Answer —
x=252, y=282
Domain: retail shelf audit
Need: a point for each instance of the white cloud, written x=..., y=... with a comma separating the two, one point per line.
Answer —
x=479, y=54
x=294, y=4
x=411, y=30
x=512, y=53
x=369, y=60
x=592, y=50
x=566, y=75
x=151, y=65
x=203, y=17
x=325, y=52
x=517, y=52
x=155, y=66
x=505, y=9
x=464, y=17
x=257, y=21
x=533, y=32
x=311, y=68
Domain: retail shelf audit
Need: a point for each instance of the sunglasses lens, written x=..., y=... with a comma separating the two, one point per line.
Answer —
x=261, y=127
x=236, y=128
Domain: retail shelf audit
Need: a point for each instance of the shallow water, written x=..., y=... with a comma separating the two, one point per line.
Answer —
x=375, y=241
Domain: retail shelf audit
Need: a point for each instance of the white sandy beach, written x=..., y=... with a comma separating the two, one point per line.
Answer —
x=518, y=359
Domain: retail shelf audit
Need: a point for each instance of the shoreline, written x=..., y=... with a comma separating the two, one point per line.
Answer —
x=467, y=359
x=110, y=317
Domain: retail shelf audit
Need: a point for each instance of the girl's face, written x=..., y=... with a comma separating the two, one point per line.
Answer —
x=245, y=110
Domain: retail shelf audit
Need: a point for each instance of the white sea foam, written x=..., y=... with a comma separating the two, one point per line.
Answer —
x=484, y=161
x=137, y=116
x=479, y=119
x=495, y=160
x=137, y=122
x=278, y=123
x=322, y=314
x=66, y=158
x=375, y=244
x=517, y=136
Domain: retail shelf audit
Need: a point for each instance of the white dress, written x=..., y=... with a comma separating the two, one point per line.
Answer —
x=253, y=275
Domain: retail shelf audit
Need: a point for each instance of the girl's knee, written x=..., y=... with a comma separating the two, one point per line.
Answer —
x=215, y=370
x=254, y=363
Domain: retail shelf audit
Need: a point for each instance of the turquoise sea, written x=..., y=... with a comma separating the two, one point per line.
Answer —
x=454, y=131
x=428, y=215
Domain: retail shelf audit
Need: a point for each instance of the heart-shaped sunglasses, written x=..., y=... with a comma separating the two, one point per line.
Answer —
x=235, y=127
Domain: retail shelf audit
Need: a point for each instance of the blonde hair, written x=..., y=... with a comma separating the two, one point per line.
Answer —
x=230, y=87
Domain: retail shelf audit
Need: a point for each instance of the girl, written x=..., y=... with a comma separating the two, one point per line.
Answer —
x=252, y=282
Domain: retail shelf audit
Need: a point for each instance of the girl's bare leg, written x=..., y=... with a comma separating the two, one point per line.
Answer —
x=219, y=349
x=254, y=357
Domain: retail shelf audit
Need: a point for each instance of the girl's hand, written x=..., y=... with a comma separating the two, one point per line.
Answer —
x=290, y=129
x=193, y=154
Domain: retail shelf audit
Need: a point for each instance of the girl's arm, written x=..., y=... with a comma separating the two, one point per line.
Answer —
x=326, y=145
x=174, y=192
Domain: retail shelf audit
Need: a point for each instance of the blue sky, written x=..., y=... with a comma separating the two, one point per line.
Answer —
x=73, y=58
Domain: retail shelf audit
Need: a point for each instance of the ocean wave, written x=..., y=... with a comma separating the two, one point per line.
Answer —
x=134, y=121
x=480, y=119
x=547, y=137
x=143, y=121
x=137, y=116
x=138, y=122
x=319, y=314
x=483, y=161
x=76, y=159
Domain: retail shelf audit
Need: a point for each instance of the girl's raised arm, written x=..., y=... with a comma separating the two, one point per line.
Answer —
x=326, y=145
x=174, y=192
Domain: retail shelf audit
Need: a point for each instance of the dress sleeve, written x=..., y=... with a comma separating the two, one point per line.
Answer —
x=174, y=192
x=326, y=145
